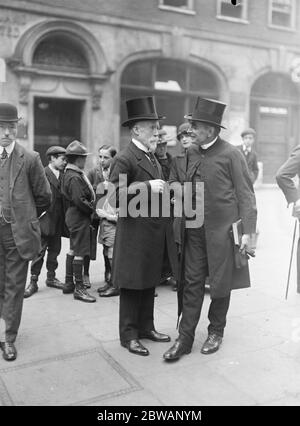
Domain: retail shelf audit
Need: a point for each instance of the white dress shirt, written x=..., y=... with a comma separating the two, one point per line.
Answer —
x=9, y=149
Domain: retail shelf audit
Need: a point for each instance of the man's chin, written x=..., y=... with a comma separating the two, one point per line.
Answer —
x=5, y=142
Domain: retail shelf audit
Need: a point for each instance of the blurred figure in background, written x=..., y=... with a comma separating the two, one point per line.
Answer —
x=248, y=136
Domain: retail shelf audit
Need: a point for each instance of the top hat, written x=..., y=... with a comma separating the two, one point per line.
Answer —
x=248, y=131
x=55, y=150
x=208, y=111
x=183, y=130
x=8, y=112
x=140, y=109
x=76, y=148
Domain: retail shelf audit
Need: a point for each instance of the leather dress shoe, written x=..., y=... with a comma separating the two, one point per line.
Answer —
x=155, y=336
x=9, y=351
x=104, y=288
x=211, y=344
x=176, y=351
x=54, y=283
x=135, y=347
x=110, y=292
x=30, y=289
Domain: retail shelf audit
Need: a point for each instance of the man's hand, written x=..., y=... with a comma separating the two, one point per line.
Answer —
x=157, y=185
x=245, y=247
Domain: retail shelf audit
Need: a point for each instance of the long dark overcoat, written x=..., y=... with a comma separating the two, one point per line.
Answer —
x=285, y=179
x=30, y=195
x=228, y=196
x=140, y=241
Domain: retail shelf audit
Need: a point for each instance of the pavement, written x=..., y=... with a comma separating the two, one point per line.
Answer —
x=69, y=352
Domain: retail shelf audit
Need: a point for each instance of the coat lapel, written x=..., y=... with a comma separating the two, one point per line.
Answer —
x=17, y=162
x=51, y=177
x=143, y=162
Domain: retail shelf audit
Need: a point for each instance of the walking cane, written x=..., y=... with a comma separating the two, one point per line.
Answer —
x=292, y=252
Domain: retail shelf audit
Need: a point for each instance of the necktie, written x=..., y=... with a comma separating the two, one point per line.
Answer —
x=4, y=154
x=151, y=158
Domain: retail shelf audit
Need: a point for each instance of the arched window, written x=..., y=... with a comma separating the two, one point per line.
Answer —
x=175, y=85
x=60, y=51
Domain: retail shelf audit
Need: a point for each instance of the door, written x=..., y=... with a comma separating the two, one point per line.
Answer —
x=56, y=122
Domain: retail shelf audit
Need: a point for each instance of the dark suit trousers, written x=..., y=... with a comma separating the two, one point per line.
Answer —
x=13, y=273
x=136, y=312
x=53, y=245
x=196, y=271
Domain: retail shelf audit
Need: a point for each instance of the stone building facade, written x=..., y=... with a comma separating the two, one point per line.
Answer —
x=70, y=64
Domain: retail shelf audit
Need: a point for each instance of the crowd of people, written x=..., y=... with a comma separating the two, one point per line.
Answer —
x=120, y=204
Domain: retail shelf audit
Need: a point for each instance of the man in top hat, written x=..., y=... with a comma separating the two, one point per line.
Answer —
x=52, y=224
x=221, y=171
x=24, y=195
x=80, y=196
x=248, y=136
x=141, y=240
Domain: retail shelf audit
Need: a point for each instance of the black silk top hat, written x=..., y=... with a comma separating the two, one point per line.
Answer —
x=76, y=148
x=8, y=113
x=140, y=109
x=208, y=111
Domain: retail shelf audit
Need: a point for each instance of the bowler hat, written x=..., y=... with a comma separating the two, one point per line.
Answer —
x=182, y=129
x=161, y=140
x=248, y=131
x=76, y=148
x=8, y=112
x=208, y=111
x=140, y=109
x=54, y=150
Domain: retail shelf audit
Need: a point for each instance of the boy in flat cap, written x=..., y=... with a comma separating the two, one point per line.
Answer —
x=248, y=136
x=52, y=224
x=24, y=195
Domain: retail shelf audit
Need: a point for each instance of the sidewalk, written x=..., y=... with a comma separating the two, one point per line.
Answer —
x=69, y=351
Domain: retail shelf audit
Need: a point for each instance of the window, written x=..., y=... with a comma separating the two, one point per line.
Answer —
x=282, y=13
x=226, y=10
x=184, y=6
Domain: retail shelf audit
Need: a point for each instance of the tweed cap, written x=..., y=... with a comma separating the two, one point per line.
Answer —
x=54, y=150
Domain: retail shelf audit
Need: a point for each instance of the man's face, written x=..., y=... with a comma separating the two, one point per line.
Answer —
x=161, y=150
x=248, y=140
x=59, y=162
x=186, y=140
x=202, y=132
x=146, y=132
x=8, y=132
x=104, y=158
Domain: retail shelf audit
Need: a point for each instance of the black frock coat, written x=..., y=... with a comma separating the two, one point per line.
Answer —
x=140, y=241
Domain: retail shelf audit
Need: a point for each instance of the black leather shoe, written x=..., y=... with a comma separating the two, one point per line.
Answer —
x=68, y=287
x=54, y=283
x=176, y=351
x=135, y=347
x=80, y=293
x=9, y=351
x=104, y=288
x=110, y=292
x=155, y=336
x=30, y=289
x=211, y=344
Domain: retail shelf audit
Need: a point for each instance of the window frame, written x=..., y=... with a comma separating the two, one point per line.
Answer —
x=242, y=20
x=190, y=10
x=293, y=17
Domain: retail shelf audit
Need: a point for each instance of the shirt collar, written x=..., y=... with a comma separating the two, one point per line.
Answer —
x=56, y=172
x=139, y=145
x=207, y=145
x=246, y=148
x=9, y=149
x=73, y=167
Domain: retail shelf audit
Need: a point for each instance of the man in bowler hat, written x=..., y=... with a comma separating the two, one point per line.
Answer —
x=141, y=240
x=52, y=224
x=222, y=172
x=24, y=195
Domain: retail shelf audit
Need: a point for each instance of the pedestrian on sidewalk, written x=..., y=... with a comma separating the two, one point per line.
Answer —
x=24, y=195
x=248, y=136
x=98, y=176
x=81, y=198
x=221, y=170
x=141, y=239
x=52, y=224
x=285, y=178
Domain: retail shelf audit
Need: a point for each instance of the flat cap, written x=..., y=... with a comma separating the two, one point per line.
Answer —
x=248, y=131
x=53, y=150
x=76, y=148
